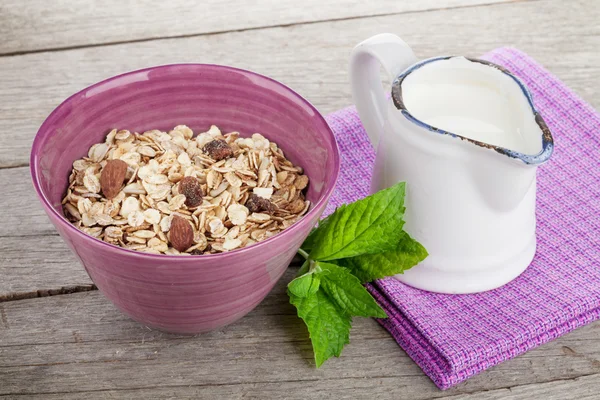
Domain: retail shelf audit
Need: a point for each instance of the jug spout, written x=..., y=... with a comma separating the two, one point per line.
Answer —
x=504, y=180
x=475, y=101
x=488, y=115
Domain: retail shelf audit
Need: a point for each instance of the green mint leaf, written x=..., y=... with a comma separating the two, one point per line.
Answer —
x=362, y=241
x=310, y=241
x=348, y=293
x=305, y=285
x=367, y=268
x=368, y=226
x=328, y=326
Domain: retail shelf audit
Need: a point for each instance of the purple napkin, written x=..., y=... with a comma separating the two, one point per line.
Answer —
x=453, y=337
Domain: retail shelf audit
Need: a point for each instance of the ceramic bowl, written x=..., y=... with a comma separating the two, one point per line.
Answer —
x=177, y=293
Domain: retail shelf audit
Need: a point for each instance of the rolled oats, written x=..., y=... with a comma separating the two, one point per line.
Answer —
x=152, y=216
x=265, y=193
x=238, y=214
x=130, y=204
x=135, y=218
x=227, y=191
x=230, y=244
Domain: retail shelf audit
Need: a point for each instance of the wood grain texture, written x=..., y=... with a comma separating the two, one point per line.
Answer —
x=29, y=264
x=38, y=25
x=79, y=344
x=321, y=76
x=22, y=214
x=312, y=58
x=584, y=388
x=33, y=257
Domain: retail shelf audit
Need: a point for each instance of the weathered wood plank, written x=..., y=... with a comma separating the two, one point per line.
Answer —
x=80, y=343
x=323, y=80
x=32, y=256
x=22, y=213
x=584, y=388
x=29, y=264
x=79, y=346
x=311, y=58
x=38, y=25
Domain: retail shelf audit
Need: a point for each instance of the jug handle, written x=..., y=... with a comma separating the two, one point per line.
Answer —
x=395, y=56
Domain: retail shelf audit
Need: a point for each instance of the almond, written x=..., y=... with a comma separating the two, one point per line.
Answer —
x=191, y=188
x=181, y=233
x=112, y=177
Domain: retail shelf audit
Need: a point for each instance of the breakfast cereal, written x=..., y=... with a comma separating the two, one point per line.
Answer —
x=176, y=193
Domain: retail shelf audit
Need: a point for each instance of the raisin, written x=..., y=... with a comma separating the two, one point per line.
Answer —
x=191, y=188
x=218, y=149
x=260, y=204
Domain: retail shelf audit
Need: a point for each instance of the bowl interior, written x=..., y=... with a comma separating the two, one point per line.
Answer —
x=195, y=95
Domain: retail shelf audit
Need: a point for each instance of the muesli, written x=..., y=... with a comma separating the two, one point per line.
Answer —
x=176, y=193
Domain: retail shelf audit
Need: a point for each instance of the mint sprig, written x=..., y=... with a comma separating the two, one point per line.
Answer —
x=367, y=226
x=358, y=243
x=368, y=267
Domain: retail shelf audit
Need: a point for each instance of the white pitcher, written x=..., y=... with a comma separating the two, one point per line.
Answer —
x=465, y=137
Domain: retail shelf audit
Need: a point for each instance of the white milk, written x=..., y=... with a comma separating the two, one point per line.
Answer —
x=476, y=103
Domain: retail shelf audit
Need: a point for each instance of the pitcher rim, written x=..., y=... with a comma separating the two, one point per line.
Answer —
x=535, y=159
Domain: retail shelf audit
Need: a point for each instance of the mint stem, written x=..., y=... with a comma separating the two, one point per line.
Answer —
x=303, y=253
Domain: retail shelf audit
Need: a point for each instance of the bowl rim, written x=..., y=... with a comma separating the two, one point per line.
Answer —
x=62, y=221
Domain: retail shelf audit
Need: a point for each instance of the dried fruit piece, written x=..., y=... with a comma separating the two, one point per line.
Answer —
x=181, y=233
x=257, y=204
x=112, y=177
x=191, y=188
x=218, y=149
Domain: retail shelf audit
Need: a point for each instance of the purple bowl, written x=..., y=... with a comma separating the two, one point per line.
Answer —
x=174, y=293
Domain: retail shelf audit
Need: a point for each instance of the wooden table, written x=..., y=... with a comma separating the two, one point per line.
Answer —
x=61, y=339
